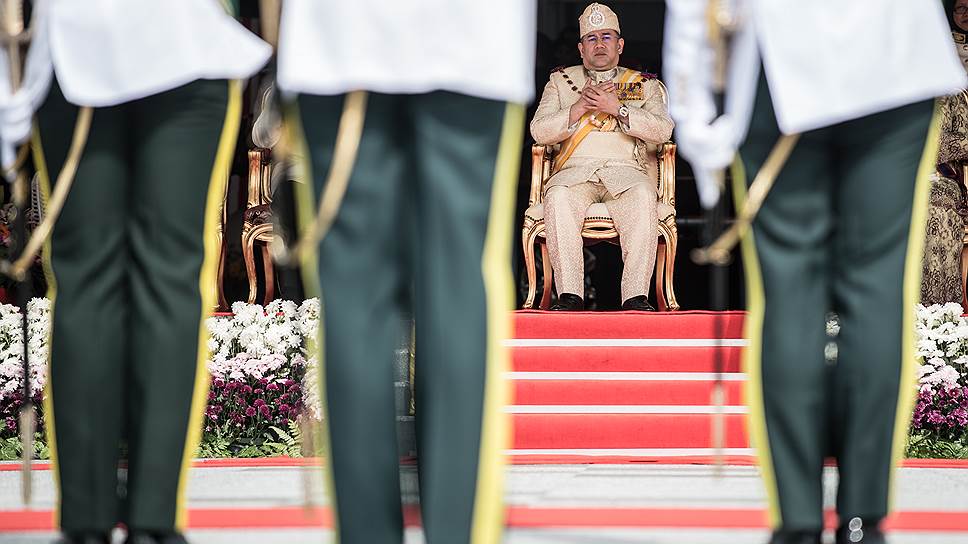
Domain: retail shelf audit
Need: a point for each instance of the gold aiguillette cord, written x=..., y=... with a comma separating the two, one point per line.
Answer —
x=718, y=252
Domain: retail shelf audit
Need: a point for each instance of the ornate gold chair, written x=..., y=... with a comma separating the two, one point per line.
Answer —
x=598, y=226
x=257, y=223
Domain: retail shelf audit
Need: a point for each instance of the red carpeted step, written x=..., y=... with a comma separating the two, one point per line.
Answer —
x=621, y=392
x=624, y=359
x=694, y=324
x=578, y=431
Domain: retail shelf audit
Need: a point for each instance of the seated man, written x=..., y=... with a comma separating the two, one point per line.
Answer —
x=609, y=121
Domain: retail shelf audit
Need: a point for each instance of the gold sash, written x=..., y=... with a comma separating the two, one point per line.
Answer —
x=585, y=126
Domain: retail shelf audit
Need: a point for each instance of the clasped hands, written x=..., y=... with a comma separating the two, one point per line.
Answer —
x=602, y=97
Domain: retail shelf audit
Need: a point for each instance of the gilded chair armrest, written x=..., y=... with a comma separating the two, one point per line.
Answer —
x=538, y=153
x=667, y=173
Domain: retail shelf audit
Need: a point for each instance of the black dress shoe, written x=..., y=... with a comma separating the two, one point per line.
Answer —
x=148, y=537
x=639, y=303
x=569, y=302
x=860, y=531
x=84, y=537
x=796, y=537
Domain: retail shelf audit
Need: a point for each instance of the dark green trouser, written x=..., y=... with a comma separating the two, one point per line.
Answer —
x=126, y=255
x=835, y=234
x=419, y=216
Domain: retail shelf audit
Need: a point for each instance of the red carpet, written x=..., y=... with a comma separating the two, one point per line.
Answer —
x=620, y=392
x=695, y=324
x=517, y=517
x=624, y=381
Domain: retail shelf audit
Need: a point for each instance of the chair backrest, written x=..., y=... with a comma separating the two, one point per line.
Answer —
x=259, y=189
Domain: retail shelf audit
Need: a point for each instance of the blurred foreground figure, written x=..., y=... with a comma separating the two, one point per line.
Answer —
x=131, y=260
x=841, y=230
x=427, y=212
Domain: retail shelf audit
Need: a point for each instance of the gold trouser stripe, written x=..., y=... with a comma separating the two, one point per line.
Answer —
x=753, y=354
x=45, y=258
x=911, y=294
x=206, y=286
x=303, y=195
x=309, y=271
x=488, y=520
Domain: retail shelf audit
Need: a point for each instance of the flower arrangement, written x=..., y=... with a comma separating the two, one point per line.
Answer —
x=262, y=362
x=11, y=358
x=941, y=409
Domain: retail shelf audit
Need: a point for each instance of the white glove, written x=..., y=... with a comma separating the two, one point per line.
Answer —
x=16, y=117
x=709, y=148
x=17, y=110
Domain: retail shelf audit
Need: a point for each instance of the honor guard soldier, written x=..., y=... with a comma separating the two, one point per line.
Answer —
x=428, y=209
x=844, y=93
x=131, y=260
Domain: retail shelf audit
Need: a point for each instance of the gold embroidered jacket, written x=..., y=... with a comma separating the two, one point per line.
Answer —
x=620, y=157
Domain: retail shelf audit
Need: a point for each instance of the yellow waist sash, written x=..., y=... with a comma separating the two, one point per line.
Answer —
x=591, y=121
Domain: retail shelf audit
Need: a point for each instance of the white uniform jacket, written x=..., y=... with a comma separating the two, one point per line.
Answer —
x=107, y=52
x=826, y=61
x=478, y=48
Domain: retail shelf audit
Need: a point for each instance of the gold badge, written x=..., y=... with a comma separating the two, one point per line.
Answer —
x=629, y=91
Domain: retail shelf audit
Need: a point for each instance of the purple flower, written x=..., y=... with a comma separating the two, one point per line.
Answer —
x=258, y=391
x=246, y=389
x=258, y=403
x=272, y=387
x=265, y=411
x=283, y=408
x=250, y=411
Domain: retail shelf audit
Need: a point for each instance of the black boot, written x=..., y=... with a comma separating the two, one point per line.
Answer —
x=796, y=537
x=569, y=302
x=84, y=537
x=862, y=531
x=639, y=303
x=151, y=537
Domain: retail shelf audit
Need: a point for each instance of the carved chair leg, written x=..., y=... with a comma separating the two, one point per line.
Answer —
x=549, y=276
x=268, y=273
x=220, y=279
x=660, y=269
x=527, y=243
x=672, y=241
x=248, y=255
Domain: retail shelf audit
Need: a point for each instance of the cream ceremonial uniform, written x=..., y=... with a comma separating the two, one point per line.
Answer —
x=614, y=164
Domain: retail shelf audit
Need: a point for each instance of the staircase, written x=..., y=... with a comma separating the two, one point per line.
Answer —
x=633, y=386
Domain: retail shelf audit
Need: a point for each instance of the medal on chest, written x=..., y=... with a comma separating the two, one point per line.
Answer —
x=628, y=92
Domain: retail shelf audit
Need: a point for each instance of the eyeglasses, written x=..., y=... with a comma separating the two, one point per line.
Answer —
x=606, y=38
x=961, y=10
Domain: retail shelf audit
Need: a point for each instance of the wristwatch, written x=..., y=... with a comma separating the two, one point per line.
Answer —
x=623, y=111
